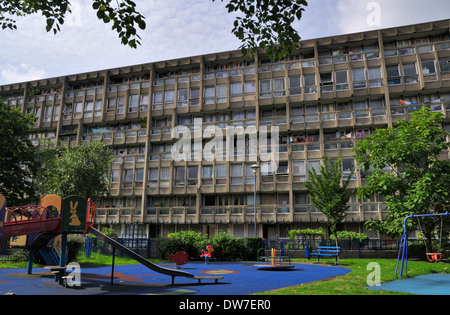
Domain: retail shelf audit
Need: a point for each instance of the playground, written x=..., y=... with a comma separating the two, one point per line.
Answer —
x=45, y=227
x=238, y=279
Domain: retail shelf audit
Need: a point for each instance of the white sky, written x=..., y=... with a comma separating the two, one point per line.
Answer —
x=179, y=28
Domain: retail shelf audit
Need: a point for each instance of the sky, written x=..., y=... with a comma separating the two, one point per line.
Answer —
x=179, y=28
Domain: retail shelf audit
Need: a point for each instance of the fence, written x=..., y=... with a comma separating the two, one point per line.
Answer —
x=145, y=247
x=371, y=248
x=7, y=253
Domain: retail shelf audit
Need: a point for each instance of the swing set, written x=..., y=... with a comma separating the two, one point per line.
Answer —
x=433, y=256
x=403, y=251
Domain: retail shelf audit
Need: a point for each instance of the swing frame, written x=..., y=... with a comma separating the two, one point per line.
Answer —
x=403, y=250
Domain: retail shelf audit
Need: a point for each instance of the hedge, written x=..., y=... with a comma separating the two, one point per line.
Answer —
x=226, y=247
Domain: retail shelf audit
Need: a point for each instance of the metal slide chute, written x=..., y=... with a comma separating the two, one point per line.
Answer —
x=170, y=272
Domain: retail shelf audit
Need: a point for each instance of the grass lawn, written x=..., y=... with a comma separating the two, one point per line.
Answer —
x=354, y=283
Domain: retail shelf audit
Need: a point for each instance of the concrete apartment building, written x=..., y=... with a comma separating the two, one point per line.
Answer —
x=328, y=94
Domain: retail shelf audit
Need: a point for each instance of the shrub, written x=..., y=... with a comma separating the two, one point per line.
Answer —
x=249, y=247
x=345, y=235
x=226, y=247
x=188, y=241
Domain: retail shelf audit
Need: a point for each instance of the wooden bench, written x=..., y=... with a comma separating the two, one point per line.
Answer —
x=327, y=251
x=200, y=278
x=57, y=270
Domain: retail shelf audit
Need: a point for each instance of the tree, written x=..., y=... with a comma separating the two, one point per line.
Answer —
x=83, y=170
x=405, y=168
x=18, y=157
x=329, y=193
x=266, y=23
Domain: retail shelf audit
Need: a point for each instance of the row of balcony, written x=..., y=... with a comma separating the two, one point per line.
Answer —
x=233, y=214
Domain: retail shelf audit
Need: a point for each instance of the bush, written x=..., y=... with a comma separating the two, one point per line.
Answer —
x=345, y=235
x=75, y=243
x=187, y=241
x=249, y=247
x=226, y=247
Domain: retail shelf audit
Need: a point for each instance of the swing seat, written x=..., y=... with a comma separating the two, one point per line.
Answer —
x=434, y=257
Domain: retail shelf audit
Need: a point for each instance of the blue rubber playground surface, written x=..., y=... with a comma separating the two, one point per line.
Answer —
x=432, y=284
x=239, y=279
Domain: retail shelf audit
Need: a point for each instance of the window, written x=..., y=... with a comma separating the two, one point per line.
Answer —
x=236, y=174
x=179, y=176
x=192, y=175
x=47, y=113
x=347, y=166
x=133, y=104
x=444, y=65
x=236, y=89
x=98, y=108
x=121, y=105
x=222, y=93
x=207, y=175
x=221, y=174
x=376, y=103
x=282, y=172
x=428, y=67
x=111, y=106
x=88, y=106
x=301, y=202
x=393, y=75
x=328, y=112
x=157, y=98
x=115, y=176
x=312, y=109
x=153, y=176
x=359, y=105
x=249, y=175
x=283, y=203
x=375, y=79
x=56, y=113
x=295, y=85
x=298, y=171
x=128, y=176
x=182, y=98
x=164, y=177
x=429, y=70
x=410, y=73
x=265, y=89
x=194, y=96
x=279, y=87
x=310, y=83
x=208, y=95
x=249, y=87
x=326, y=82
x=341, y=80
x=169, y=97
x=139, y=177
x=359, y=78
